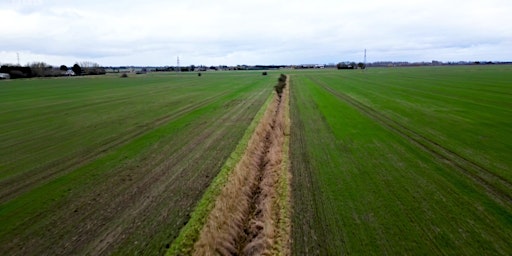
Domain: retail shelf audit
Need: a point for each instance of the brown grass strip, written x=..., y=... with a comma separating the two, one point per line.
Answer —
x=251, y=215
x=283, y=205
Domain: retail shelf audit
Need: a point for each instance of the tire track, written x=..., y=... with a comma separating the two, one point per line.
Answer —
x=136, y=199
x=497, y=186
x=14, y=186
x=305, y=189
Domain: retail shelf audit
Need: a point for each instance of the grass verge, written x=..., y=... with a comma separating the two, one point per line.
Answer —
x=283, y=205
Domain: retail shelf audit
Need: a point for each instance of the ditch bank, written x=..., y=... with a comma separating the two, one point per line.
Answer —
x=246, y=210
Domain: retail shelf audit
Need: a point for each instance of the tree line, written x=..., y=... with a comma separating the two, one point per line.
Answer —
x=42, y=69
x=350, y=65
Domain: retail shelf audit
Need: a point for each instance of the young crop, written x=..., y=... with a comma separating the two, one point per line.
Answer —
x=373, y=173
x=109, y=166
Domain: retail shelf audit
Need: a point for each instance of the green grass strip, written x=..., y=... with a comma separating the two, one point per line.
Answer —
x=189, y=234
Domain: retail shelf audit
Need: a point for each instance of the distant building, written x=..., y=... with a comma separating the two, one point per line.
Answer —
x=4, y=76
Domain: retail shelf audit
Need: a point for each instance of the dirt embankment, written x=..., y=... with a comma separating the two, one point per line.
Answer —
x=251, y=215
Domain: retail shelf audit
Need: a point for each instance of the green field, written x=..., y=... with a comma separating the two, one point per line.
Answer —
x=114, y=166
x=402, y=161
x=383, y=161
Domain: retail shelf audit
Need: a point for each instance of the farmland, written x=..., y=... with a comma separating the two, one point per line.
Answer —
x=114, y=166
x=382, y=161
x=412, y=160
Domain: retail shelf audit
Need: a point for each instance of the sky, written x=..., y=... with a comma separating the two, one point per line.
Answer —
x=238, y=32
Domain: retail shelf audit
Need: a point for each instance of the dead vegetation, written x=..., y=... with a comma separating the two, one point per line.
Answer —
x=250, y=216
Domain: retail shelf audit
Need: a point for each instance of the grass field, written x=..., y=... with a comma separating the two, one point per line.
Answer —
x=114, y=166
x=384, y=161
x=409, y=160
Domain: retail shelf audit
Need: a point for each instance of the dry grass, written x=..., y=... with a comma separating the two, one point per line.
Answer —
x=282, y=205
x=247, y=215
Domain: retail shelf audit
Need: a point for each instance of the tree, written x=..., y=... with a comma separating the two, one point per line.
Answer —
x=88, y=67
x=91, y=68
x=16, y=71
x=39, y=68
x=63, y=68
x=342, y=65
x=77, y=69
x=361, y=65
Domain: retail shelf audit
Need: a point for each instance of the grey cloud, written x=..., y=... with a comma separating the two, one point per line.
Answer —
x=259, y=32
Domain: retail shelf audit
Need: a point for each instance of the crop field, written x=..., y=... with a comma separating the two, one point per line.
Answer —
x=109, y=165
x=383, y=161
x=402, y=161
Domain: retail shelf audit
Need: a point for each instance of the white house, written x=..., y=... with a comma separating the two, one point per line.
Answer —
x=4, y=76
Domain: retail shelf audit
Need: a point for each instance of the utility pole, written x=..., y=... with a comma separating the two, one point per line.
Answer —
x=178, y=64
x=18, y=56
x=365, y=59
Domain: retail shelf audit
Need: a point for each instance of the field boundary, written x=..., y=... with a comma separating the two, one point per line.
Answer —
x=247, y=208
x=494, y=184
x=283, y=204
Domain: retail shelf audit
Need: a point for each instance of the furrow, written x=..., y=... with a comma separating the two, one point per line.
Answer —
x=19, y=184
x=493, y=183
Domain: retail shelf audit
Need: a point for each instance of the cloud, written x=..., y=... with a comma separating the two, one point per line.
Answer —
x=254, y=32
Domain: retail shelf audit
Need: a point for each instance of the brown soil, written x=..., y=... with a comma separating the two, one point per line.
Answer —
x=247, y=218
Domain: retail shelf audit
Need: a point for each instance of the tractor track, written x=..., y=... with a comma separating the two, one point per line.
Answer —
x=19, y=184
x=135, y=198
x=494, y=184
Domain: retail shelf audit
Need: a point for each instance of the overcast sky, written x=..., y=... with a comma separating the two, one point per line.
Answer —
x=231, y=32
